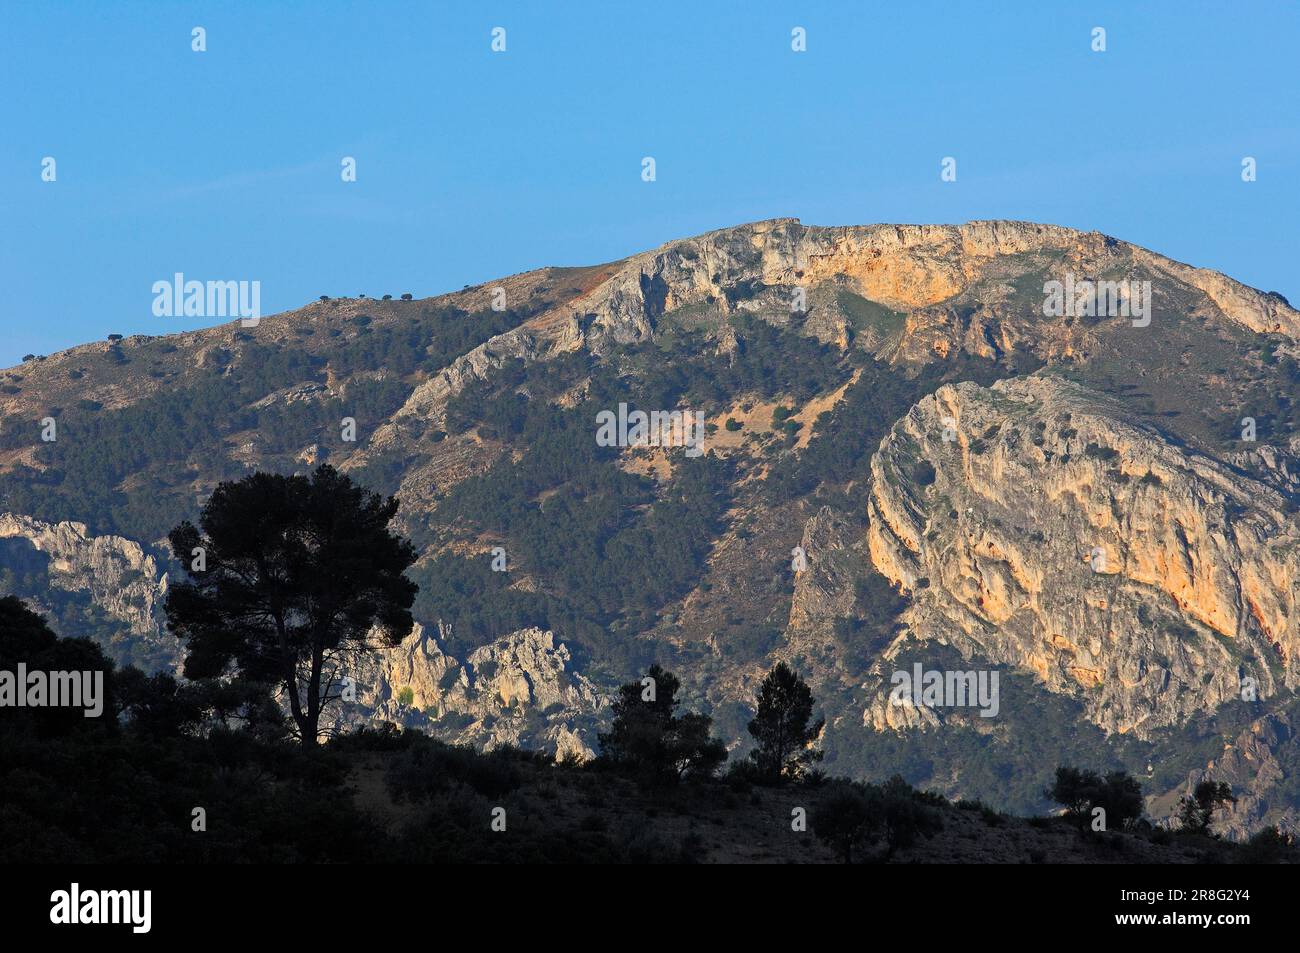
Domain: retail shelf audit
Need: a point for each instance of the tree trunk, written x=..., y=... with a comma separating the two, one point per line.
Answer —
x=311, y=727
x=291, y=684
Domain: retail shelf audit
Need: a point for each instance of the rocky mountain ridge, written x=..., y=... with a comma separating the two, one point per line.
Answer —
x=1071, y=498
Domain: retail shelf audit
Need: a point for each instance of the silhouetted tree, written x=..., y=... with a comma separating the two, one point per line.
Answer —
x=1121, y=796
x=26, y=640
x=1270, y=845
x=1196, y=812
x=161, y=706
x=288, y=575
x=649, y=738
x=903, y=815
x=780, y=726
x=855, y=815
x=122, y=787
x=844, y=820
x=1082, y=791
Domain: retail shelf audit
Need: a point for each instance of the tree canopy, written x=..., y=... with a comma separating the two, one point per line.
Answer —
x=648, y=737
x=782, y=727
x=287, y=575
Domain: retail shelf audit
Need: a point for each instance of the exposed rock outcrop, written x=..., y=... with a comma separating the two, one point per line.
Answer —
x=1036, y=524
x=906, y=267
x=117, y=575
x=823, y=590
x=519, y=689
x=1249, y=765
x=1127, y=550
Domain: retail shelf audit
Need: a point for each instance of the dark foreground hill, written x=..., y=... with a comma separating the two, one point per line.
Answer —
x=175, y=773
x=574, y=814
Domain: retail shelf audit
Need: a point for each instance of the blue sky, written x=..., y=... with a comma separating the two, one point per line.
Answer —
x=473, y=164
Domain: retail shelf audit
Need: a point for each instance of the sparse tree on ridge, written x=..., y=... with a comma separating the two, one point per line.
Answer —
x=845, y=820
x=781, y=725
x=1082, y=791
x=649, y=738
x=853, y=816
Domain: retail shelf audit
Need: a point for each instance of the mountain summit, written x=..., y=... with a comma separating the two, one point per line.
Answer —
x=992, y=448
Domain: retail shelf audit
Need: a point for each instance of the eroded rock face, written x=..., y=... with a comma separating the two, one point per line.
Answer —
x=1195, y=584
x=118, y=576
x=534, y=341
x=823, y=589
x=1055, y=533
x=518, y=690
x=902, y=266
x=1250, y=766
x=905, y=267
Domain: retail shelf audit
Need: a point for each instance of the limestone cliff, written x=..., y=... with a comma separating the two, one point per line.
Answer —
x=1041, y=526
x=823, y=588
x=520, y=690
x=113, y=575
x=905, y=267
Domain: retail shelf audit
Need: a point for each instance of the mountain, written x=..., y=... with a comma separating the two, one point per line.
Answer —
x=923, y=445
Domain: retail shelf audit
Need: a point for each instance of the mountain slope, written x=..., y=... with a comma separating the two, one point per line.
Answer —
x=828, y=363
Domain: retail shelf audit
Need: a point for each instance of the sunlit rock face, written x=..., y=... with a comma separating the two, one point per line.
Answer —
x=914, y=269
x=1033, y=523
x=519, y=690
x=114, y=575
